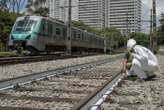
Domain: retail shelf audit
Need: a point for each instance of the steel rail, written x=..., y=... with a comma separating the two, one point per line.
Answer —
x=14, y=82
x=19, y=108
x=94, y=100
x=26, y=59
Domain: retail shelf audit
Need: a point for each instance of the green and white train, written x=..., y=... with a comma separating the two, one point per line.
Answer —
x=43, y=34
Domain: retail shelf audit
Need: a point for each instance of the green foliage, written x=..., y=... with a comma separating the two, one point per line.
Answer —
x=112, y=34
x=160, y=31
x=3, y=5
x=7, y=54
x=41, y=11
x=12, y=5
x=115, y=36
x=141, y=38
x=37, y=7
x=81, y=25
x=6, y=22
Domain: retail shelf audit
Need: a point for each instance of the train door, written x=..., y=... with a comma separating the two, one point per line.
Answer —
x=43, y=37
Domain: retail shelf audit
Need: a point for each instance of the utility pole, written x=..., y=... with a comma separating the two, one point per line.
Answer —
x=104, y=26
x=154, y=35
x=151, y=30
x=68, y=39
x=127, y=24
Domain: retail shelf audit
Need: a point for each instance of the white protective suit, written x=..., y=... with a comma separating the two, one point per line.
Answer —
x=144, y=62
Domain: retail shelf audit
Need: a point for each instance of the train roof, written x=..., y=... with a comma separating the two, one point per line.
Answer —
x=32, y=17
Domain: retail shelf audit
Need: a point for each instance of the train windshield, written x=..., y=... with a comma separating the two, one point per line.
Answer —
x=24, y=25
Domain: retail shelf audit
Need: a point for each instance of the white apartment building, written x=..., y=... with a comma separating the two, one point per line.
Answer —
x=59, y=9
x=54, y=8
x=92, y=12
x=124, y=15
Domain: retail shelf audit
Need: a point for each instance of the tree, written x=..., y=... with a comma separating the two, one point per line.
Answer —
x=115, y=37
x=19, y=4
x=160, y=31
x=141, y=38
x=12, y=5
x=112, y=34
x=37, y=7
x=83, y=26
x=6, y=22
x=3, y=5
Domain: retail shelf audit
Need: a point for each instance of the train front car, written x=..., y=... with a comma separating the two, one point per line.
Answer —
x=24, y=33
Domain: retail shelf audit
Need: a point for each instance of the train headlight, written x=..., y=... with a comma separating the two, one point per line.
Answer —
x=28, y=37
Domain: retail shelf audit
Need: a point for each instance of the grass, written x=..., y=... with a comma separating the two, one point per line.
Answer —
x=132, y=78
x=7, y=54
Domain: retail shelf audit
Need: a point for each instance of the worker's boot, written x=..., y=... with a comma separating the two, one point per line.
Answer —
x=150, y=76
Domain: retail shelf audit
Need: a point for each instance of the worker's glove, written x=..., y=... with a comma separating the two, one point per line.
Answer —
x=128, y=65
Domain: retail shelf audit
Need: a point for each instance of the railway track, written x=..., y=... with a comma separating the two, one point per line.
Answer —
x=61, y=89
x=26, y=59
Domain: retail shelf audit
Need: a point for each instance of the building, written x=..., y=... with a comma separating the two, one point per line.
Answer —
x=124, y=15
x=58, y=9
x=92, y=12
x=54, y=8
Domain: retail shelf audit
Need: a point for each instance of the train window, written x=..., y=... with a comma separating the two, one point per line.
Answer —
x=64, y=32
x=58, y=32
x=78, y=36
x=74, y=34
x=24, y=25
x=90, y=38
x=44, y=27
x=87, y=38
x=82, y=36
x=50, y=28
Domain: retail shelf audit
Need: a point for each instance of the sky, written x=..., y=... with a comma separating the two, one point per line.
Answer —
x=146, y=6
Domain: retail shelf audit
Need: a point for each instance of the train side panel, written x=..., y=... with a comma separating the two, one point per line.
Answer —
x=50, y=35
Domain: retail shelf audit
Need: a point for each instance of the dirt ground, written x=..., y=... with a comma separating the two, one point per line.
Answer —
x=139, y=95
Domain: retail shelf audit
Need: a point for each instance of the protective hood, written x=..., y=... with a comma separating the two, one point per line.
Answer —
x=131, y=43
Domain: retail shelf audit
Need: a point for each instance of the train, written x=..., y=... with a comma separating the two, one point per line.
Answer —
x=43, y=34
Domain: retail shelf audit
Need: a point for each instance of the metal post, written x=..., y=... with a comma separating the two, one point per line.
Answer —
x=68, y=39
x=154, y=27
x=127, y=24
x=104, y=26
x=105, y=43
x=151, y=29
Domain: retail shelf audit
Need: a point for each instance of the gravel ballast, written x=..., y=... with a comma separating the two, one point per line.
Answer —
x=62, y=92
x=139, y=95
x=12, y=71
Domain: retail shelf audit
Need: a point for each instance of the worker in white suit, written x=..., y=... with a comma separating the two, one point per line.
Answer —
x=140, y=61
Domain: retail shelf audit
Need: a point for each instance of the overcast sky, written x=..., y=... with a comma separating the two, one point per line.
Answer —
x=160, y=5
x=147, y=5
